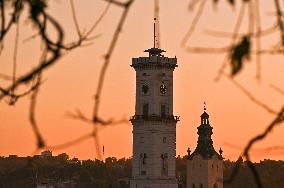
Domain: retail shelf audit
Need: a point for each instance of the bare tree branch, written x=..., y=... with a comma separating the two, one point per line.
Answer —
x=279, y=20
x=279, y=119
x=235, y=34
x=251, y=97
x=276, y=88
x=194, y=23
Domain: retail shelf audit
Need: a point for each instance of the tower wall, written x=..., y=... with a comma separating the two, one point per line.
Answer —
x=208, y=172
x=154, y=126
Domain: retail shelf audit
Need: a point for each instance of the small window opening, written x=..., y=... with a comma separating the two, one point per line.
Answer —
x=163, y=110
x=145, y=110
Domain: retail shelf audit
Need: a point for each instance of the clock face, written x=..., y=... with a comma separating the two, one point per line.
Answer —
x=145, y=89
x=163, y=89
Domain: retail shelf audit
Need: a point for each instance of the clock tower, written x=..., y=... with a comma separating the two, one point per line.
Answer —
x=154, y=124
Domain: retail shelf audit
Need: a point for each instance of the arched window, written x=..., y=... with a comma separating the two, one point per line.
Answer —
x=215, y=185
x=193, y=185
x=201, y=185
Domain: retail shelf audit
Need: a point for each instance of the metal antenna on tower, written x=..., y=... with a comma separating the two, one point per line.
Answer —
x=154, y=32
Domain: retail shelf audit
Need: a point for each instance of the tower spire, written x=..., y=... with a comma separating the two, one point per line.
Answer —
x=204, y=106
x=155, y=33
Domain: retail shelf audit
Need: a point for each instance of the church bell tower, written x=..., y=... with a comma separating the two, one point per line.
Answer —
x=154, y=125
x=205, y=165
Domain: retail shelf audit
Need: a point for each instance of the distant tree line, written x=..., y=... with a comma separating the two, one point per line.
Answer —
x=60, y=171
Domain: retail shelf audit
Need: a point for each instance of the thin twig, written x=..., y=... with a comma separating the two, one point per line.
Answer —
x=194, y=23
x=258, y=40
x=75, y=18
x=276, y=88
x=40, y=141
x=261, y=33
x=16, y=45
x=279, y=20
x=107, y=60
x=251, y=96
x=235, y=34
x=279, y=119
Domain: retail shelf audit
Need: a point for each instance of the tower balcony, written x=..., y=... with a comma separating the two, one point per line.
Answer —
x=154, y=117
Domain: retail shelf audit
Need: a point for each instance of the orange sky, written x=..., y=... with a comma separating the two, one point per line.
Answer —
x=71, y=83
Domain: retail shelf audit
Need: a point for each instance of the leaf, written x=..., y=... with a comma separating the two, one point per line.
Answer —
x=240, y=52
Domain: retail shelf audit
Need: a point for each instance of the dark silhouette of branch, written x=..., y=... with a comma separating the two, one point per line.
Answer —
x=259, y=33
x=52, y=53
x=15, y=54
x=279, y=20
x=209, y=50
x=5, y=77
x=107, y=60
x=263, y=150
x=96, y=119
x=15, y=15
x=118, y=3
x=246, y=152
x=71, y=142
x=251, y=96
x=75, y=18
x=279, y=119
x=14, y=97
x=276, y=88
x=40, y=141
x=258, y=40
x=194, y=23
x=235, y=34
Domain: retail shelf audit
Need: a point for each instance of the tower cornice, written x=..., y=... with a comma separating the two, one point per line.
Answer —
x=169, y=118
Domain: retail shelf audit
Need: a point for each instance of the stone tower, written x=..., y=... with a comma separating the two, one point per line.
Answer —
x=205, y=165
x=154, y=125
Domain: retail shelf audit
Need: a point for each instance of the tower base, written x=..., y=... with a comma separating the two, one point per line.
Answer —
x=153, y=183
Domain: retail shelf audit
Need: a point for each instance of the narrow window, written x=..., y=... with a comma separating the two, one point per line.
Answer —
x=164, y=158
x=143, y=158
x=193, y=186
x=163, y=110
x=215, y=185
x=145, y=110
x=164, y=139
x=201, y=186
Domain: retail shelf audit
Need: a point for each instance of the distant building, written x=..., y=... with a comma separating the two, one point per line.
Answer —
x=46, y=154
x=13, y=156
x=205, y=165
x=44, y=185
